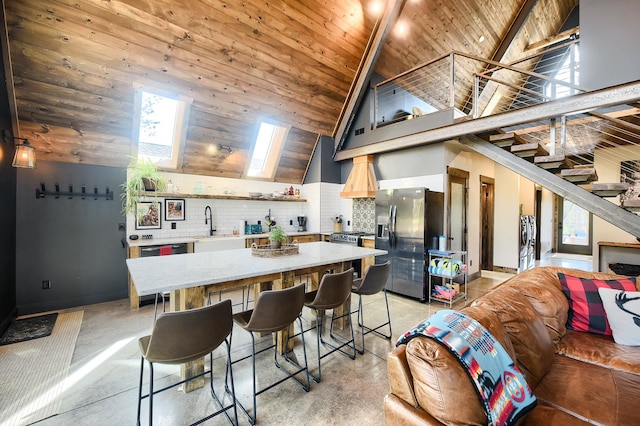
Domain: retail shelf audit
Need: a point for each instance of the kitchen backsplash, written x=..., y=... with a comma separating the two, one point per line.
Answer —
x=226, y=214
x=364, y=215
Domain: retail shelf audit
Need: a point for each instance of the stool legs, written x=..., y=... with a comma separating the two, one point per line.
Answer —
x=350, y=343
x=367, y=330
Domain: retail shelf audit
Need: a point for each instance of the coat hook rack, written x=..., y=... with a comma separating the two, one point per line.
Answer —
x=42, y=192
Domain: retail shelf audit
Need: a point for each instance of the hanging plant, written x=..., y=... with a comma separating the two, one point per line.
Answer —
x=143, y=179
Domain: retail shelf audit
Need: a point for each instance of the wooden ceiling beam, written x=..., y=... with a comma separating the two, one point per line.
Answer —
x=564, y=35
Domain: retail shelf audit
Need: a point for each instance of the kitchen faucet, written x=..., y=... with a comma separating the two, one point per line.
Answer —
x=209, y=220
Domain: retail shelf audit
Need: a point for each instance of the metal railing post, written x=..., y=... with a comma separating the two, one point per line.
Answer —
x=375, y=107
x=552, y=136
x=452, y=89
x=476, y=91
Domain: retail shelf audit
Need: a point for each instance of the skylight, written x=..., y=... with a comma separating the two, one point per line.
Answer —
x=161, y=126
x=266, y=151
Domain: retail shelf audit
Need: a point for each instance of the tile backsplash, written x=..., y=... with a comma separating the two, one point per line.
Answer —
x=364, y=215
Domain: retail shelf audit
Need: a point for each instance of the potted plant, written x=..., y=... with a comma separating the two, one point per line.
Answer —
x=143, y=177
x=277, y=236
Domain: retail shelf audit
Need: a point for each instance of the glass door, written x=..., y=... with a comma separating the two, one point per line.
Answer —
x=575, y=226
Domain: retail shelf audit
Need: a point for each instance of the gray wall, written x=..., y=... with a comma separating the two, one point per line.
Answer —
x=323, y=168
x=7, y=216
x=609, y=34
x=75, y=243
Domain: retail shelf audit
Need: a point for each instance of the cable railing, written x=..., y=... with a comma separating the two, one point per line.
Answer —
x=474, y=87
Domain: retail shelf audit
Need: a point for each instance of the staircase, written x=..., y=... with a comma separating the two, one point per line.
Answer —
x=560, y=175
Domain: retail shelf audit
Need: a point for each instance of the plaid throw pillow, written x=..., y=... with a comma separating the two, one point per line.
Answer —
x=586, y=311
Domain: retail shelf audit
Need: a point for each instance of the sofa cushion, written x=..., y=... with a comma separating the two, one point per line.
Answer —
x=600, y=350
x=586, y=312
x=441, y=385
x=588, y=391
x=531, y=342
x=541, y=287
x=623, y=314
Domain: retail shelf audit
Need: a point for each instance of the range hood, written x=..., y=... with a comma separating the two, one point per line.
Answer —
x=361, y=182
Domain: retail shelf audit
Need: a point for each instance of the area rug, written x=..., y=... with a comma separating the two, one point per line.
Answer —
x=30, y=328
x=32, y=373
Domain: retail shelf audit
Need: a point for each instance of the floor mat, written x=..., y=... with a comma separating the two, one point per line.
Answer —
x=31, y=328
x=33, y=373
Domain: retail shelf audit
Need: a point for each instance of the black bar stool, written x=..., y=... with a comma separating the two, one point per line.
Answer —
x=184, y=336
x=374, y=281
x=274, y=310
x=333, y=291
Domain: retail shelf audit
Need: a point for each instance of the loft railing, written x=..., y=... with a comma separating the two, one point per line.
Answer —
x=473, y=86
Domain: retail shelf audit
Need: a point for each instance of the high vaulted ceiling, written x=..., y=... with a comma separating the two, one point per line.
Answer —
x=75, y=64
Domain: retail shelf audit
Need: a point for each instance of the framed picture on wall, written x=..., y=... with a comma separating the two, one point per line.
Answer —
x=174, y=209
x=148, y=214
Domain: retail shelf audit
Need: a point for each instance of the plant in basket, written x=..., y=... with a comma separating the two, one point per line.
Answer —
x=277, y=236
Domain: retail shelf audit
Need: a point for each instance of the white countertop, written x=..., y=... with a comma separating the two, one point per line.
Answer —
x=164, y=273
x=177, y=240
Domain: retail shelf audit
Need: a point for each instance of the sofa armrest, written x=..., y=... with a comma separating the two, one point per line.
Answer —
x=398, y=413
x=400, y=380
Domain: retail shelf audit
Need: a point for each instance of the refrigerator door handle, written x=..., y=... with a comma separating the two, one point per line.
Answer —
x=392, y=222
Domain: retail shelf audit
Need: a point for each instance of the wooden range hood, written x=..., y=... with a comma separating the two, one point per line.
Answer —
x=361, y=182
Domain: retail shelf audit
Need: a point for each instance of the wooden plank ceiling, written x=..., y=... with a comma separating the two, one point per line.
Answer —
x=75, y=63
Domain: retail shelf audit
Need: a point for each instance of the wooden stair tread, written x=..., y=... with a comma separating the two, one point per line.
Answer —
x=528, y=150
x=553, y=162
x=609, y=189
x=631, y=204
x=580, y=174
x=505, y=140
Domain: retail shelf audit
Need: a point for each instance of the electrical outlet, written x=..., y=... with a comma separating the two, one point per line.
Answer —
x=46, y=284
x=291, y=222
x=470, y=262
x=173, y=225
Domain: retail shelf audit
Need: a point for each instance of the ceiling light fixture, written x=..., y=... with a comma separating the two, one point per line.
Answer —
x=375, y=7
x=25, y=155
x=481, y=39
x=225, y=147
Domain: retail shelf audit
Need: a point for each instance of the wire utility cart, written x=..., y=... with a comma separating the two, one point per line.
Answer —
x=451, y=268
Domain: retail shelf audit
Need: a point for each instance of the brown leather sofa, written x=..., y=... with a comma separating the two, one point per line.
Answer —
x=577, y=377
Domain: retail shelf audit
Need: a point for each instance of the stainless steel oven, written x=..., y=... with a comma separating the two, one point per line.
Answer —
x=353, y=238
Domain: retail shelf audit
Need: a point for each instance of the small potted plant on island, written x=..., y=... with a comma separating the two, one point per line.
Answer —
x=277, y=236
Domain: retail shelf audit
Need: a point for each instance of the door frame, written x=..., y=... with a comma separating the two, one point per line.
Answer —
x=487, y=208
x=571, y=248
x=461, y=177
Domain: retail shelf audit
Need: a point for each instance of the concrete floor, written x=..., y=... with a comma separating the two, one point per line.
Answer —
x=106, y=363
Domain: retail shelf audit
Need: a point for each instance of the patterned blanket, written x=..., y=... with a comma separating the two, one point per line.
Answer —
x=505, y=394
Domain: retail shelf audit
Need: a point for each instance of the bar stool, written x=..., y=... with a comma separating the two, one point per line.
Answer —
x=374, y=281
x=274, y=310
x=333, y=291
x=183, y=336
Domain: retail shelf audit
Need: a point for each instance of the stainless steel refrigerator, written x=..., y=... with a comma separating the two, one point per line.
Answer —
x=408, y=222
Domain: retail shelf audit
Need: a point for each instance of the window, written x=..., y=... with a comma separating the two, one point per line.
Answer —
x=568, y=72
x=266, y=151
x=160, y=126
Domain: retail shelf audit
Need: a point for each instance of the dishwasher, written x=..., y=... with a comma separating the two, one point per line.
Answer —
x=148, y=251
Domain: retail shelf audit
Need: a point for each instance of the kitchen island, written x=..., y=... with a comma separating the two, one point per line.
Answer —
x=190, y=276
